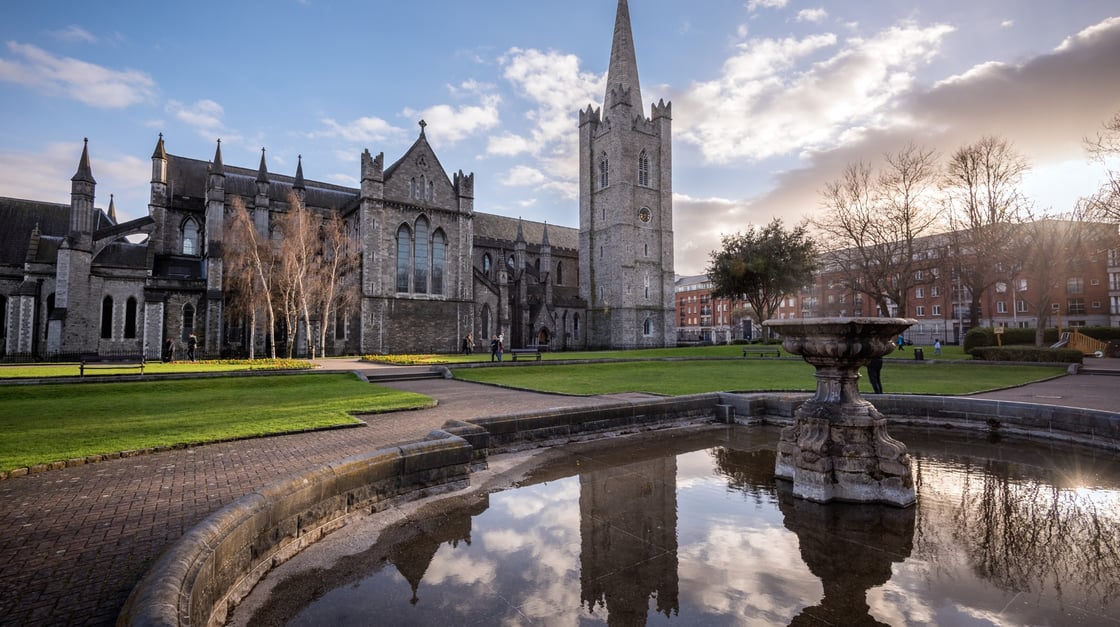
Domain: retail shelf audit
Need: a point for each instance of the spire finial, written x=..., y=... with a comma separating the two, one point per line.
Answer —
x=423, y=125
x=262, y=171
x=85, y=172
x=218, y=167
x=299, y=184
x=112, y=209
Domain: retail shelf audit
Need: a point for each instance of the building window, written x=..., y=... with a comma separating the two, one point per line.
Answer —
x=190, y=237
x=934, y=291
x=921, y=310
x=439, y=248
x=339, y=324
x=1055, y=306
x=130, y=318
x=919, y=293
x=487, y=263
x=935, y=310
x=431, y=191
x=643, y=169
x=107, y=318
x=188, y=321
x=412, y=189
x=575, y=325
x=1075, y=285
x=1001, y=287
x=1022, y=285
x=604, y=171
x=422, y=190
x=404, y=256
x=559, y=273
x=1001, y=306
x=1076, y=306
x=1021, y=306
x=1094, y=282
x=1096, y=304
x=647, y=285
x=647, y=328
x=420, y=260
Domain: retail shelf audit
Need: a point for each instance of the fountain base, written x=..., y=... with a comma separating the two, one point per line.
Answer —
x=838, y=448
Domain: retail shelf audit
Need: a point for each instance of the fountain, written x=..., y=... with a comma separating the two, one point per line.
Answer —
x=838, y=448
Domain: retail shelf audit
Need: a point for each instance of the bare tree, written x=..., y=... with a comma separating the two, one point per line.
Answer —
x=878, y=224
x=984, y=203
x=1105, y=149
x=298, y=249
x=334, y=275
x=252, y=262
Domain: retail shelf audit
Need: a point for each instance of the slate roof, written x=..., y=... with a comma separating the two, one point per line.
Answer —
x=123, y=254
x=187, y=182
x=19, y=218
x=505, y=229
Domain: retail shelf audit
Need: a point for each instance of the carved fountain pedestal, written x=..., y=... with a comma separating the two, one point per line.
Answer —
x=838, y=448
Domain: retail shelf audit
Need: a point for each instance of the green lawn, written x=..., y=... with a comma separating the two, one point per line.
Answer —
x=43, y=370
x=692, y=352
x=46, y=423
x=691, y=377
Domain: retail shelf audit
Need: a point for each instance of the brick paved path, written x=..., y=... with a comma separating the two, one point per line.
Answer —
x=74, y=542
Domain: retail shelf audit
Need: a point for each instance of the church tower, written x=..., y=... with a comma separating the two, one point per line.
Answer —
x=626, y=209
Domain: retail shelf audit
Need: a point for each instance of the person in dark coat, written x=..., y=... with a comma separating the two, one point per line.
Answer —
x=192, y=344
x=169, y=350
x=494, y=348
x=874, y=368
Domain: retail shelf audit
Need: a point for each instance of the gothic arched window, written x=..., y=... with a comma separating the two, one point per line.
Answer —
x=647, y=328
x=130, y=318
x=439, y=248
x=487, y=264
x=188, y=321
x=604, y=171
x=404, y=256
x=420, y=257
x=559, y=273
x=190, y=238
x=107, y=318
x=412, y=189
x=643, y=169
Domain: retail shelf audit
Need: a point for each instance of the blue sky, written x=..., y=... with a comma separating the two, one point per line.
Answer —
x=770, y=97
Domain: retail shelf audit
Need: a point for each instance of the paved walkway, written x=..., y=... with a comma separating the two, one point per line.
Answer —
x=74, y=542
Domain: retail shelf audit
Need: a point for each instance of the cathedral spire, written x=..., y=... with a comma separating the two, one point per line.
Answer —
x=216, y=166
x=299, y=182
x=85, y=172
x=262, y=171
x=112, y=209
x=622, y=75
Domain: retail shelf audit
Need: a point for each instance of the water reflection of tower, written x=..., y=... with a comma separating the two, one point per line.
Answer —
x=628, y=530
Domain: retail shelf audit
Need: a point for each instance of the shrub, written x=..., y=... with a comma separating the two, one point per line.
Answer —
x=984, y=336
x=1027, y=353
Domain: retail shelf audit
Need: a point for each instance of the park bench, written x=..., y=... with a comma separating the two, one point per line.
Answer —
x=93, y=360
x=525, y=352
x=762, y=351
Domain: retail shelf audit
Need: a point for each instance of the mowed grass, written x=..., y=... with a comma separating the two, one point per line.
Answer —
x=45, y=371
x=674, y=378
x=47, y=423
x=691, y=352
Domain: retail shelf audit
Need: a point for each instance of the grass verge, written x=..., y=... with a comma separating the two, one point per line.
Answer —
x=46, y=371
x=48, y=423
x=674, y=378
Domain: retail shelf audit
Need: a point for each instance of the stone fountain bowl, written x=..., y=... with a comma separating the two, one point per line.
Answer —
x=834, y=341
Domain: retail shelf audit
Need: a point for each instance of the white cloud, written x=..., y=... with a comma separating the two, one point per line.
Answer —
x=774, y=98
x=812, y=15
x=451, y=124
x=204, y=116
x=508, y=145
x=362, y=130
x=85, y=82
x=522, y=175
x=755, y=5
x=1007, y=23
x=74, y=34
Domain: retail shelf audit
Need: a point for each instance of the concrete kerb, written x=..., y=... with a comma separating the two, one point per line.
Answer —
x=219, y=561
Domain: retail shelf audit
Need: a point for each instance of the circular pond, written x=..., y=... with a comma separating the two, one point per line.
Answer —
x=694, y=529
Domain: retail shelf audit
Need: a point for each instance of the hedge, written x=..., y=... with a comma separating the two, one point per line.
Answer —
x=984, y=336
x=1028, y=353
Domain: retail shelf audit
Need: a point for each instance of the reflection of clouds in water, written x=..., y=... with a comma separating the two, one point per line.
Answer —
x=897, y=604
x=695, y=469
x=451, y=566
x=747, y=572
x=531, y=501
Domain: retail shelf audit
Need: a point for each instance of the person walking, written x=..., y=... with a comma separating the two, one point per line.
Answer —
x=494, y=348
x=192, y=344
x=901, y=342
x=169, y=350
x=937, y=347
x=874, y=369
x=501, y=348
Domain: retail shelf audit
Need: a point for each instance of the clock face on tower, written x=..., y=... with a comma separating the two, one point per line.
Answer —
x=644, y=214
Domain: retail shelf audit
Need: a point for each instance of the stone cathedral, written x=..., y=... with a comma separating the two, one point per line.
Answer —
x=73, y=279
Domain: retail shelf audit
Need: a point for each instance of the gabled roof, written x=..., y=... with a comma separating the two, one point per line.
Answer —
x=19, y=218
x=501, y=228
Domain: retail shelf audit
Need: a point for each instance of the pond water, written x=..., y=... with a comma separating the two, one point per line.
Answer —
x=693, y=529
